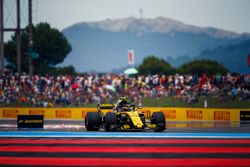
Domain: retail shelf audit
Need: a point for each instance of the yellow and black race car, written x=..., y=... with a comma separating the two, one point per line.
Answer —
x=123, y=116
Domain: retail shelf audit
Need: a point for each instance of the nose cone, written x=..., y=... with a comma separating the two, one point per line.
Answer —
x=139, y=125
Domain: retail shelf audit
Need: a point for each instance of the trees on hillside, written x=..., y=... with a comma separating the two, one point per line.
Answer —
x=202, y=67
x=153, y=65
x=51, y=45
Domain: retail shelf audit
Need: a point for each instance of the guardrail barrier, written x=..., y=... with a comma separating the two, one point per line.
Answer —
x=171, y=114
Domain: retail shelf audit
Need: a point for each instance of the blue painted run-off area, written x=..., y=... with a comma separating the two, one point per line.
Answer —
x=121, y=134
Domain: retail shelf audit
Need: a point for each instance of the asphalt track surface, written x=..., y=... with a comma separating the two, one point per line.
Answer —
x=66, y=143
x=179, y=127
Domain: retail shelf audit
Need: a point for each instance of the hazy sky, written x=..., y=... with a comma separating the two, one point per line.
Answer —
x=231, y=15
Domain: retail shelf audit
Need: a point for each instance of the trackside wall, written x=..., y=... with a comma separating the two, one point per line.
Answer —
x=171, y=114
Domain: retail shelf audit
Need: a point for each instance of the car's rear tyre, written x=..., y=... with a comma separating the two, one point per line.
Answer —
x=92, y=121
x=110, y=121
x=159, y=120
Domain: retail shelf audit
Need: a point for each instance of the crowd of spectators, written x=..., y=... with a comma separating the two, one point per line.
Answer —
x=65, y=90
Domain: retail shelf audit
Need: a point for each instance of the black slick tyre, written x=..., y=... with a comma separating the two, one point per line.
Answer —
x=92, y=121
x=159, y=120
x=110, y=121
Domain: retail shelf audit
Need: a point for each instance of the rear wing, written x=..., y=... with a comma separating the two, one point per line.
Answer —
x=105, y=106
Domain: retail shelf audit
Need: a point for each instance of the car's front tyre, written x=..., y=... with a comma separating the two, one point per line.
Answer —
x=159, y=120
x=110, y=121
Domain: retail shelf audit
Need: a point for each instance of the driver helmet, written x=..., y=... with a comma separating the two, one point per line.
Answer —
x=122, y=105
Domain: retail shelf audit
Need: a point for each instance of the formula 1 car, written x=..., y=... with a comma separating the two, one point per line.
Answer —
x=123, y=116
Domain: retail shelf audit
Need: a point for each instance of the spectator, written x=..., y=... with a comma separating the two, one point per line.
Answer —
x=50, y=91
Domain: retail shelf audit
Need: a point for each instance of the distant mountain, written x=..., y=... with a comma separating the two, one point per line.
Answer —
x=103, y=46
x=234, y=57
